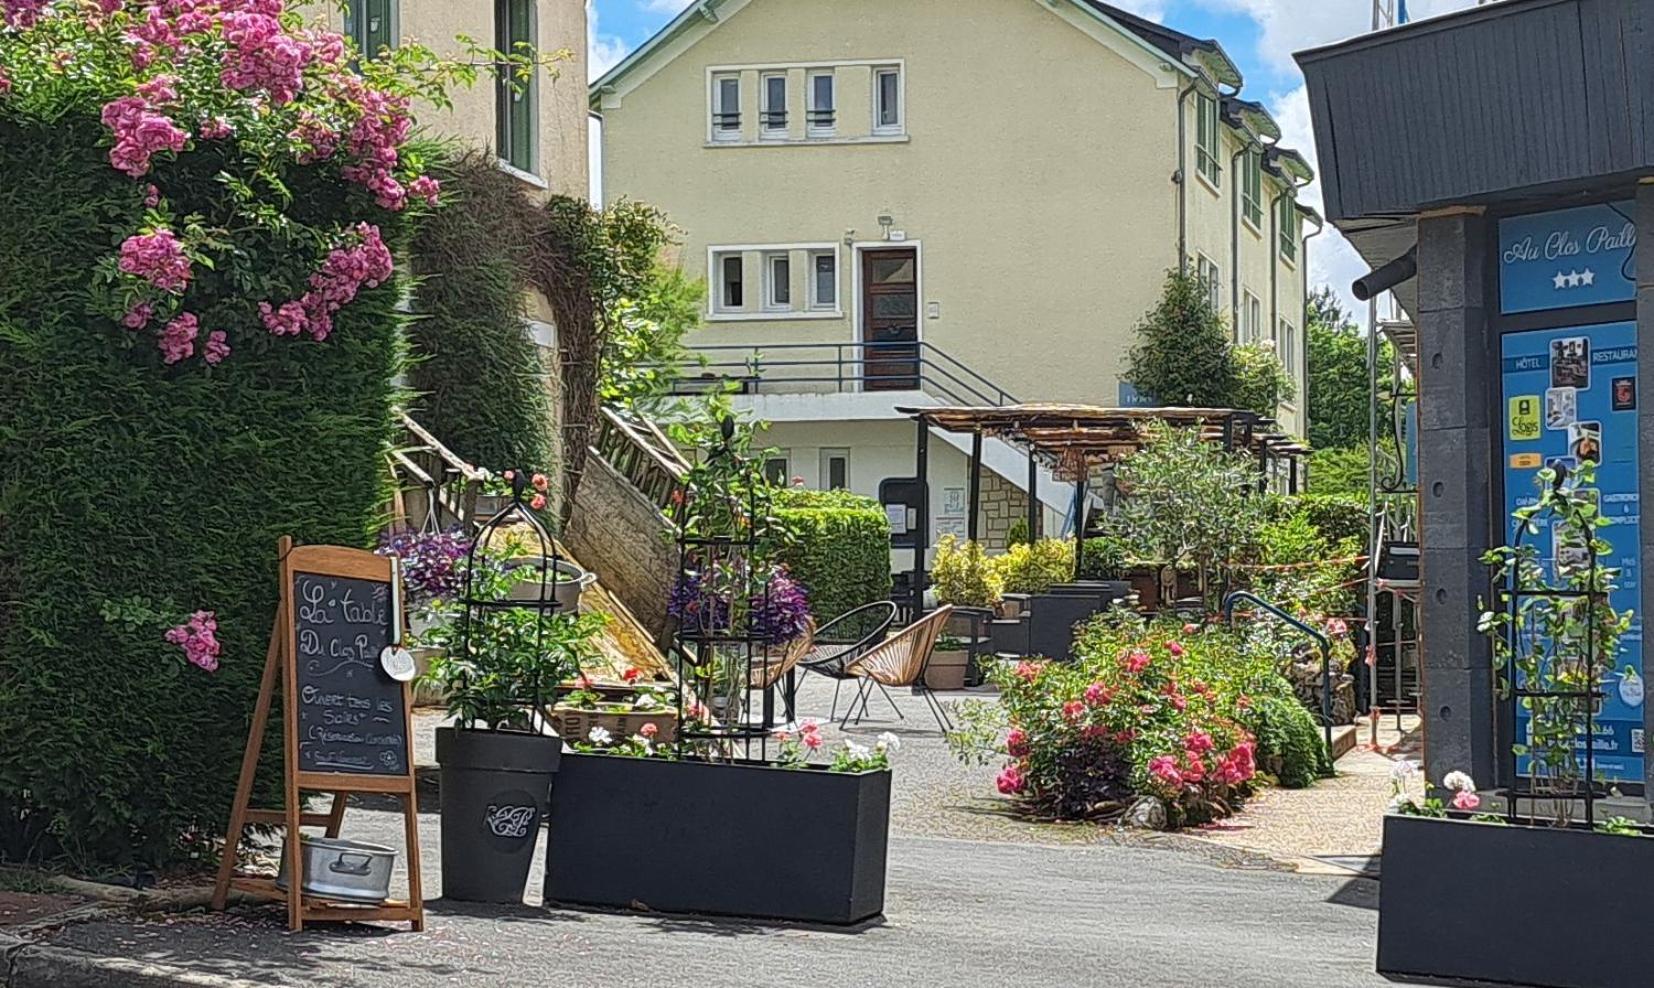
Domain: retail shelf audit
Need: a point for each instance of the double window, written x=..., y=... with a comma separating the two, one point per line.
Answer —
x=516, y=101
x=1289, y=228
x=1206, y=140
x=1252, y=189
x=372, y=25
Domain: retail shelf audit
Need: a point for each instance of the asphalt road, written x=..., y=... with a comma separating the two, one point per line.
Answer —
x=957, y=913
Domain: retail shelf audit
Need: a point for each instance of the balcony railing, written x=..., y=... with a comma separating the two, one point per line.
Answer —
x=794, y=368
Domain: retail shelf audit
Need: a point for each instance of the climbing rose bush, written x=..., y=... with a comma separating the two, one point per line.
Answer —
x=249, y=90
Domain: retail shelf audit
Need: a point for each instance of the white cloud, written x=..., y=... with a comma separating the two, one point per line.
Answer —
x=665, y=6
x=1332, y=261
x=603, y=51
x=1153, y=10
x=1293, y=25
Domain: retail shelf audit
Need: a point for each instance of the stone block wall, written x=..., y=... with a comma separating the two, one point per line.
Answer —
x=1003, y=503
x=620, y=535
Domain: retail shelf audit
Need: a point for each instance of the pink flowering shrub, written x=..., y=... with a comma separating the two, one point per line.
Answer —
x=174, y=81
x=198, y=637
x=1163, y=710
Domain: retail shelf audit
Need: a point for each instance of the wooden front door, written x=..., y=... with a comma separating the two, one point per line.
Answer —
x=890, y=318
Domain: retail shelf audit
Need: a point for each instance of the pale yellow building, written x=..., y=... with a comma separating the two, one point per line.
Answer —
x=965, y=201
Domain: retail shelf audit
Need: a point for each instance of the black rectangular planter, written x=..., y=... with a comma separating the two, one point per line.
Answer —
x=1516, y=905
x=729, y=839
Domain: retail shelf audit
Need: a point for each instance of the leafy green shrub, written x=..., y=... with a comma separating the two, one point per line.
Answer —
x=963, y=575
x=1290, y=745
x=124, y=480
x=1336, y=517
x=838, y=548
x=479, y=377
x=1017, y=534
x=1107, y=557
x=1034, y=568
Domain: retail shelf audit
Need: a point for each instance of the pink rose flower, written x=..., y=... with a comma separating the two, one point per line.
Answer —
x=1164, y=768
x=1016, y=743
x=217, y=347
x=538, y=502
x=1466, y=800
x=1010, y=781
x=811, y=740
x=649, y=730
x=198, y=638
x=157, y=258
x=177, y=340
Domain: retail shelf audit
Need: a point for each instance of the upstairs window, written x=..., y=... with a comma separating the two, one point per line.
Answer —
x=773, y=115
x=778, y=281
x=515, y=99
x=1252, y=189
x=887, y=101
x=1289, y=228
x=372, y=25
x=1211, y=279
x=731, y=282
x=1206, y=140
x=822, y=115
x=726, y=108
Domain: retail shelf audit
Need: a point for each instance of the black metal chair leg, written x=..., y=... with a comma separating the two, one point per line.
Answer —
x=833, y=714
x=861, y=696
x=889, y=700
x=943, y=721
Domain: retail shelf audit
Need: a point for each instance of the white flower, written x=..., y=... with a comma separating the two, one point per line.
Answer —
x=644, y=702
x=599, y=736
x=856, y=750
x=889, y=742
x=1398, y=803
x=1458, y=782
x=1403, y=770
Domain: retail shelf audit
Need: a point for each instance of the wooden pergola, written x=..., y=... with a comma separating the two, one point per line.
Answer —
x=1073, y=439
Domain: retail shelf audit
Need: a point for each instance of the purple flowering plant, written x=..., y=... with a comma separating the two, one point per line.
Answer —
x=432, y=563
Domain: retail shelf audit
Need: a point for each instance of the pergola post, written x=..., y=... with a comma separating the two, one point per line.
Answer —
x=1033, y=497
x=921, y=527
x=1292, y=475
x=975, y=484
x=1079, y=518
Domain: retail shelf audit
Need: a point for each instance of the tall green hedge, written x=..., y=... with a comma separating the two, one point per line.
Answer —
x=122, y=478
x=839, y=548
x=480, y=381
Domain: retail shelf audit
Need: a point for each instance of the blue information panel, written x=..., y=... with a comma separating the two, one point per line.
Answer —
x=1571, y=394
x=1557, y=260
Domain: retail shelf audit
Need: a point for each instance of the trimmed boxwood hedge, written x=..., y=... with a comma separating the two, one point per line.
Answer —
x=839, y=548
x=122, y=478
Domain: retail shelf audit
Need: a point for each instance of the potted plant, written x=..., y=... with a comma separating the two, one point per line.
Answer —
x=964, y=576
x=1458, y=883
x=497, y=666
x=643, y=709
x=948, y=664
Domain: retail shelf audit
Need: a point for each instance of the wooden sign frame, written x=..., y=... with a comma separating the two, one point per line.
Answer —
x=281, y=666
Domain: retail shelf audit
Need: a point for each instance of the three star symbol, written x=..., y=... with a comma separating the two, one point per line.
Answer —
x=1574, y=279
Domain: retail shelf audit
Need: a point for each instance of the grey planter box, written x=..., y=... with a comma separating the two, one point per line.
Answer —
x=1513, y=905
x=804, y=845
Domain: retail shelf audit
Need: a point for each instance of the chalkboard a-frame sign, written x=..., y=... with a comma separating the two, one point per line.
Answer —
x=346, y=724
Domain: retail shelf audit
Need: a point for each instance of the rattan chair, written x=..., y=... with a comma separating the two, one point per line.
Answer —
x=766, y=673
x=900, y=661
x=843, y=640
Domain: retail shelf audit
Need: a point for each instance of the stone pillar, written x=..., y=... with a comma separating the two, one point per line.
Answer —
x=1645, y=435
x=1457, y=367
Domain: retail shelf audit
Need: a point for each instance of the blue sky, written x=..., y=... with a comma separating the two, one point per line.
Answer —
x=1260, y=35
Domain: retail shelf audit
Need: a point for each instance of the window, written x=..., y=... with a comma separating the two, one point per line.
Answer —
x=515, y=100
x=1289, y=348
x=778, y=469
x=731, y=281
x=773, y=116
x=835, y=469
x=887, y=101
x=1289, y=228
x=372, y=25
x=726, y=108
x=1251, y=319
x=778, y=281
x=821, y=115
x=824, y=280
x=1252, y=189
x=1212, y=279
x=1206, y=140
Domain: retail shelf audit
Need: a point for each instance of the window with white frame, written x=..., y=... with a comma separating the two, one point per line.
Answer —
x=1289, y=348
x=824, y=279
x=1252, y=189
x=1211, y=279
x=888, y=112
x=778, y=281
x=1251, y=318
x=726, y=107
x=731, y=277
x=835, y=469
x=772, y=116
x=821, y=116
x=372, y=25
x=1206, y=140
x=778, y=468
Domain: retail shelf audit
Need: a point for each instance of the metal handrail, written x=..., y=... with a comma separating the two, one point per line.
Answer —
x=852, y=364
x=1321, y=640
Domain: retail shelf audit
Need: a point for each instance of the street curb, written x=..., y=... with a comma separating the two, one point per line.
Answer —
x=32, y=965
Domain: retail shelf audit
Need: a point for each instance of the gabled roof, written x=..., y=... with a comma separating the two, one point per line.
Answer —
x=1287, y=163
x=1250, y=115
x=1183, y=47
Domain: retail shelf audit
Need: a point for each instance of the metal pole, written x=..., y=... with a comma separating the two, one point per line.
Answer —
x=921, y=527
x=1079, y=520
x=1034, y=512
x=1374, y=524
x=975, y=484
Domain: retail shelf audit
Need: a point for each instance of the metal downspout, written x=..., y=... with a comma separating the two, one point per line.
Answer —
x=1181, y=178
